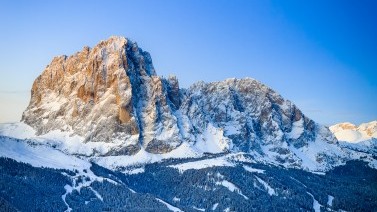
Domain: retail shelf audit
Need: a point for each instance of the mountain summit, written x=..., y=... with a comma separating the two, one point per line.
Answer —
x=110, y=94
x=347, y=131
x=107, y=93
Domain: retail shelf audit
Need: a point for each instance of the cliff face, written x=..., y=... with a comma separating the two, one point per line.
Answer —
x=111, y=93
x=249, y=113
x=107, y=93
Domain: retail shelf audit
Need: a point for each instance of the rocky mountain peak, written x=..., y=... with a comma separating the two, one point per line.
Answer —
x=111, y=94
x=90, y=92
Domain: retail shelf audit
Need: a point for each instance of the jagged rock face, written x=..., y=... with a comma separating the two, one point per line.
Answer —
x=107, y=93
x=249, y=113
x=111, y=93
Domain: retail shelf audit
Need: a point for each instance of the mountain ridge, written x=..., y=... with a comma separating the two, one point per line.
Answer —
x=110, y=94
x=107, y=49
x=349, y=132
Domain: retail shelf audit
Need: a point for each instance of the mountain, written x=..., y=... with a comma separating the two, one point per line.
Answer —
x=103, y=132
x=362, y=138
x=111, y=95
x=351, y=133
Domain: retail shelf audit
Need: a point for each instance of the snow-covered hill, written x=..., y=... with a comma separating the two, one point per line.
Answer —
x=351, y=133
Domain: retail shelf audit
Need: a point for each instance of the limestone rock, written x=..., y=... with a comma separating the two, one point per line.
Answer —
x=107, y=93
x=111, y=94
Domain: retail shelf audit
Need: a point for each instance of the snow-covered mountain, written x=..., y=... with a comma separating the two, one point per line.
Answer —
x=111, y=101
x=105, y=131
x=351, y=133
x=362, y=138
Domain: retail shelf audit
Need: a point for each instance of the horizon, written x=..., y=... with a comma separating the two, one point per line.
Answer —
x=322, y=62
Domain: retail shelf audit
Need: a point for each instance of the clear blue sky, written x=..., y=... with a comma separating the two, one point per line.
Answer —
x=322, y=55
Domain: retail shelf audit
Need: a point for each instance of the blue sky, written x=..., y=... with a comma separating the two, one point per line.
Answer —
x=322, y=55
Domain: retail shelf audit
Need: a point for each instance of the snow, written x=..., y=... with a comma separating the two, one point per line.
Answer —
x=297, y=129
x=330, y=200
x=17, y=130
x=202, y=164
x=231, y=129
x=74, y=145
x=269, y=189
x=231, y=187
x=134, y=171
x=198, y=209
x=212, y=140
x=308, y=155
x=68, y=189
x=319, y=173
x=350, y=133
x=316, y=205
x=298, y=182
x=27, y=151
x=62, y=140
x=351, y=136
x=97, y=194
x=215, y=206
x=253, y=170
x=40, y=156
x=240, y=157
x=143, y=157
x=170, y=207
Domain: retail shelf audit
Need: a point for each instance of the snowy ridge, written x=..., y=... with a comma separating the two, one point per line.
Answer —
x=351, y=133
x=358, y=141
x=316, y=156
x=39, y=155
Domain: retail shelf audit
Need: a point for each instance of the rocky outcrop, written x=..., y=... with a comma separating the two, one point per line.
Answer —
x=250, y=114
x=111, y=93
x=107, y=93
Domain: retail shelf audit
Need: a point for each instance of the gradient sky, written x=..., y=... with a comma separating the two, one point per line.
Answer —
x=322, y=55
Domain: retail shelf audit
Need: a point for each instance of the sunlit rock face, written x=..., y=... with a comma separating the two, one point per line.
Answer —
x=111, y=93
x=107, y=93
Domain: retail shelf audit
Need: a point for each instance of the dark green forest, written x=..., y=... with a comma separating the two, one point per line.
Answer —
x=27, y=188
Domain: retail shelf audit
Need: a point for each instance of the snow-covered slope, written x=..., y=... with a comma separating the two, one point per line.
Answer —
x=351, y=133
x=39, y=155
x=360, y=141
